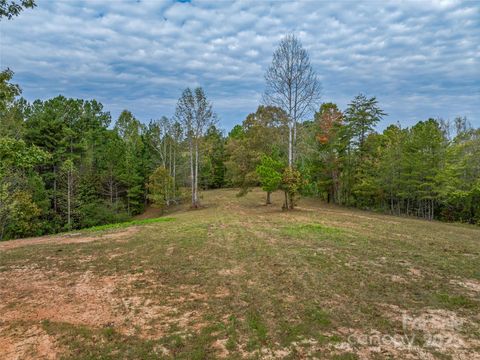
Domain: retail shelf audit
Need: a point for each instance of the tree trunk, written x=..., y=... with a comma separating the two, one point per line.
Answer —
x=433, y=209
x=55, y=189
x=174, y=175
x=192, y=174
x=116, y=198
x=196, y=174
x=170, y=158
x=2, y=231
x=269, y=201
x=69, y=189
x=110, y=186
x=290, y=146
x=128, y=204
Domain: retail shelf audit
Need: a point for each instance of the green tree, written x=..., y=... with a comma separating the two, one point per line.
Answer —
x=262, y=133
x=18, y=211
x=68, y=184
x=361, y=116
x=459, y=180
x=212, y=166
x=8, y=91
x=130, y=130
x=269, y=172
x=291, y=183
x=424, y=159
x=9, y=9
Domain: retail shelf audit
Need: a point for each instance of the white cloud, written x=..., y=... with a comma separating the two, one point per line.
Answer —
x=421, y=56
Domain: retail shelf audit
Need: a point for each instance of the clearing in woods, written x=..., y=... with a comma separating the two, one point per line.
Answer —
x=237, y=279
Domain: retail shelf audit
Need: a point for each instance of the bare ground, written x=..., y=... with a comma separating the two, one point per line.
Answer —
x=242, y=280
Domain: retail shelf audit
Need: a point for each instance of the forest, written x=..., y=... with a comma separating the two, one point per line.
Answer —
x=66, y=164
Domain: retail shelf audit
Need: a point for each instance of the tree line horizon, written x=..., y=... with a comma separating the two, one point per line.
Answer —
x=63, y=166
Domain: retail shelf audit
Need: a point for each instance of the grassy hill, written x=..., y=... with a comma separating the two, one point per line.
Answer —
x=238, y=279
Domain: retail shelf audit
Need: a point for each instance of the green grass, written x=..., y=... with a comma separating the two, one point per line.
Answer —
x=126, y=224
x=237, y=279
x=311, y=229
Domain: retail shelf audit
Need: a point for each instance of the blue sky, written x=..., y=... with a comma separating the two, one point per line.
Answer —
x=419, y=58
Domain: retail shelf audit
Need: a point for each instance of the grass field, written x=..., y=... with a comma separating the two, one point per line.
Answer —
x=237, y=279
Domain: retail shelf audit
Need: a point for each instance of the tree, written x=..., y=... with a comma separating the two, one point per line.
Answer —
x=160, y=187
x=130, y=131
x=194, y=112
x=8, y=91
x=158, y=135
x=12, y=8
x=424, y=158
x=212, y=169
x=329, y=121
x=69, y=183
x=11, y=108
x=291, y=183
x=270, y=173
x=459, y=180
x=292, y=85
x=18, y=211
x=361, y=116
x=391, y=169
x=262, y=133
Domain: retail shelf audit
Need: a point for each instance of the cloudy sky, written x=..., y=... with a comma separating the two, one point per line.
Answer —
x=419, y=58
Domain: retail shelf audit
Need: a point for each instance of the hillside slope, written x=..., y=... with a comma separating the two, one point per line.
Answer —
x=238, y=279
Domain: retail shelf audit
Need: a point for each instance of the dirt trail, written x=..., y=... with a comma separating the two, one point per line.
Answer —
x=75, y=238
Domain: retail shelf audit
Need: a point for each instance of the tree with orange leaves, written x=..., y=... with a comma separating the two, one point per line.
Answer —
x=329, y=122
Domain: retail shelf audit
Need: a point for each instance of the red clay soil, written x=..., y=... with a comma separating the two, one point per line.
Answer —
x=66, y=239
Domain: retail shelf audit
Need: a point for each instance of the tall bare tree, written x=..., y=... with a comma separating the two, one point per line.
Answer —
x=176, y=136
x=159, y=131
x=292, y=84
x=194, y=112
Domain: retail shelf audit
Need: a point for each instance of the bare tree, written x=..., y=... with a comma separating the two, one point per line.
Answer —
x=292, y=84
x=195, y=114
x=159, y=133
x=176, y=135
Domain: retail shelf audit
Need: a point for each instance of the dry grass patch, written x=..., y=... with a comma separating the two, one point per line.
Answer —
x=237, y=279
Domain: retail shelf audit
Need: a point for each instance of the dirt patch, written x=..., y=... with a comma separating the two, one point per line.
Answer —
x=399, y=279
x=222, y=292
x=34, y=296
x=30, y=343
x=238, y=270
x=31, y=295
x=469, y=284
x=417, y=273
x=76, y=238
x=220, y=348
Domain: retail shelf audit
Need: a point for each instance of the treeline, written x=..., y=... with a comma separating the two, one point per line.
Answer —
x=431, y=170
x=64, y=165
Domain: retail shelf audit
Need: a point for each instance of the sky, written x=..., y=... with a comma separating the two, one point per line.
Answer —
x=420, y=58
